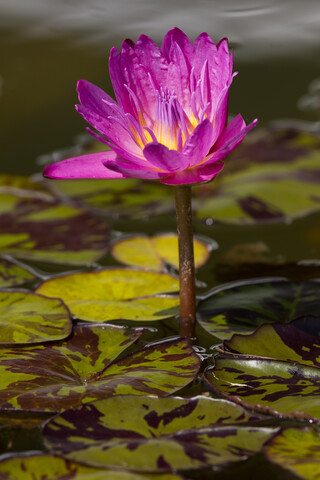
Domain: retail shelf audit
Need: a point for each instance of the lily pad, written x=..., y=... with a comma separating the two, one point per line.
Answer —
x=154, y=434
x=26, y=317
x=50, y=467
x=116, y=293
x=273, y=176
x=273, y=386
x=280, y=341
x=12, y=274
x=242, y=307
x=84, y=368
x=129, y=198
x=37, y=227
x=297, y=450
x=153, y=253
x=11, y=183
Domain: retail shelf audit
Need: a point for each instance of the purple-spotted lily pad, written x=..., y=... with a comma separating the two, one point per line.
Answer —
x=116, y=293
x=35, y=226
x=155, y=252
x=274, y=175
x=296, y=450
x=12, y=274
x=50, y=467
x=282, y=373
x=155, y=434
x=131, y=198
x=281, y=341
x=263, y=384
x=84, y=368
x=26, y=317
x=242, y=307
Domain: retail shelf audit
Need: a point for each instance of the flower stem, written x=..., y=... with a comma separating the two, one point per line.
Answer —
x=186, y=261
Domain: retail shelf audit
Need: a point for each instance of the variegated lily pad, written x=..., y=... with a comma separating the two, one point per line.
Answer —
x=154, y=252
x=50, y=467
x=12, y=274
x=297, y=450
x=131, y=198
x=116, y=293
x=242, y=308
x=84, y=368
x=281, y=341
x=273, y=176
x=154, y=434
x=26, y=317
x=35, y=226
x=281, y=387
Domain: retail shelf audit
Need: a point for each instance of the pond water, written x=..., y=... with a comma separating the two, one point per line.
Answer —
x=46, y=46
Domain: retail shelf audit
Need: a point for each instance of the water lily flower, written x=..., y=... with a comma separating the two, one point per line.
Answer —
x=169, y=122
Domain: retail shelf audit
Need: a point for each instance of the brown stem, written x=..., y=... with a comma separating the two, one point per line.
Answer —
x=186, y=261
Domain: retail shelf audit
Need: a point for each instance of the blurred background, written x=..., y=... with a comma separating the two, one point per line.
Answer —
x=47, y=45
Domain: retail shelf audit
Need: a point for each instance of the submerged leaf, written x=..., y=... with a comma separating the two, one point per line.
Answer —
x=26, y=317
x=115, y=293
x=84, y=368
x=241, y=308
x=153, y=253
x=37, y=227
x=155, y=434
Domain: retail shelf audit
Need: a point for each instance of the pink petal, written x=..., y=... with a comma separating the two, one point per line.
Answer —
x=177, y=36
x=219, y=66
x=178, y=77
x=152, y=59
x=84, y=166
x=193, y=175
x=95, y=99
x=130, y=170
x=114, y=130
x=137, y=79
x=167, y=160
x=118, y=82
x=231, y=136
x=199, y=143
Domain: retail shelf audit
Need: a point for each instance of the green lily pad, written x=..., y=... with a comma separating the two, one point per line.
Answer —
x=242, y=307
x=153, y=253
x=280, y=341
x=12, y=274
x=50, y=467
x=154, y=434
x=84, y=368
x=12, y=183
x=297, y=450
x=129, y=198
x=273, y=176
x=26, y=317
x=115, y=293
x=264, y=384
x=35, y=226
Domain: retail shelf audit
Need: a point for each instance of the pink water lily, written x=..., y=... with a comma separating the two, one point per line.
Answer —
x=169, y=122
